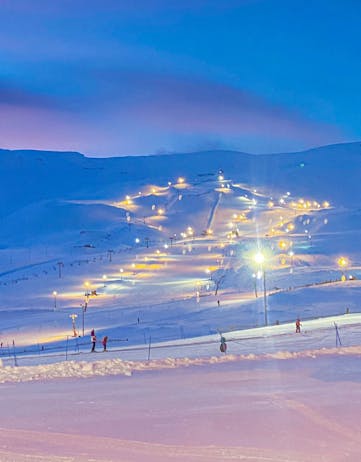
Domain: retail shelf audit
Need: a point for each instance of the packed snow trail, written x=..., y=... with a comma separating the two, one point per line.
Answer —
x=316, y=335
x=212, y=213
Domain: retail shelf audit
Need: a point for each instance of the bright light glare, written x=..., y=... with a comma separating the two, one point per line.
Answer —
x=259, y=257
x=342, y=262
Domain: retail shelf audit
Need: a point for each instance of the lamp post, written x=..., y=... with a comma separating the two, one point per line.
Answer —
x=73, y=318
x=342, y=263
x=60, y=266
x=84, y=306
x=259, y=259
x=55, y=293
x=254, y=276
x=291, y=254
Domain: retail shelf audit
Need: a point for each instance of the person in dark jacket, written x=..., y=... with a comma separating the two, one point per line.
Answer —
x=93, y=340
x=104, y=343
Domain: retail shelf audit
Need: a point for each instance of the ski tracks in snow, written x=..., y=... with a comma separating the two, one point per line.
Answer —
x=35, y=446
x=323, y=422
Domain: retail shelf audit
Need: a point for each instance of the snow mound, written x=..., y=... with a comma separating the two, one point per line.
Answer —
x=84, y=369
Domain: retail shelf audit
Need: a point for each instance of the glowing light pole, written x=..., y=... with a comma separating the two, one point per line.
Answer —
x=73, y=318
x=259, y=259
x=255, y=277
x=84, y=306
x=342, y=263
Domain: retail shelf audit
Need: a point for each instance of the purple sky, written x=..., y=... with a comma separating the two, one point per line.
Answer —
x=119, y=77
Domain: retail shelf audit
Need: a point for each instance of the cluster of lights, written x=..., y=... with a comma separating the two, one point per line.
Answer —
x=303, y=204
x=239, y=217
x=259, y=258
x=233, y=234
x=189, y=232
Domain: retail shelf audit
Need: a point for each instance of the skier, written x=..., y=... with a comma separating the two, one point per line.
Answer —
x=298, y=326
x=93, y=340
x=104, y=343
x=218, y=303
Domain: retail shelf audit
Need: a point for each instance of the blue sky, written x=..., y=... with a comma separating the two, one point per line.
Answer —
x=150, y=76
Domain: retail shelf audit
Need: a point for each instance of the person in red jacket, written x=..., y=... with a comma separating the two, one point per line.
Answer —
x=298, y=326
x=104, y=343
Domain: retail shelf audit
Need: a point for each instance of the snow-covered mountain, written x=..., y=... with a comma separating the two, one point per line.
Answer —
x=162, y=255
x=138, y=229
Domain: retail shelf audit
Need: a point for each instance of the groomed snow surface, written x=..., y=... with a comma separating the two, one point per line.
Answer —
x=282, y=406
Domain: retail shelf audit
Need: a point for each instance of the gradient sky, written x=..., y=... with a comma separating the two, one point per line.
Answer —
x=116, y=77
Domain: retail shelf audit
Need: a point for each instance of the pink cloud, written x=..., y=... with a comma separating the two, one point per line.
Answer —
x=137, y=112
x=185, y=105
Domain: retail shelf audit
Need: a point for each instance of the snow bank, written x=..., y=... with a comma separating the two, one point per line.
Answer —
x=64, y=369
x=83, y=369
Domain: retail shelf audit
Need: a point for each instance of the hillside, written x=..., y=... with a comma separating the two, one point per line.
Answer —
x=162, y=238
